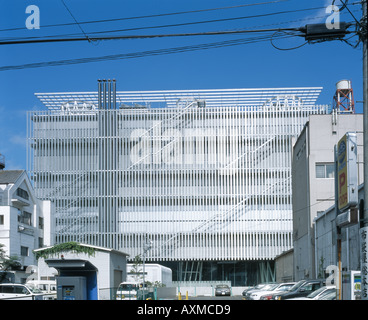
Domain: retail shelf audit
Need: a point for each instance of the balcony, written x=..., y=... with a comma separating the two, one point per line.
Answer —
x=20, y=198
x=19, y=201
x=26, y=229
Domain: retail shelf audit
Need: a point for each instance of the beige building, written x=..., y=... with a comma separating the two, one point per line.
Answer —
x=313, y=185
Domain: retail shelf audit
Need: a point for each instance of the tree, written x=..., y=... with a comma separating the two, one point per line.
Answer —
x=7, y=263
x=136, y=270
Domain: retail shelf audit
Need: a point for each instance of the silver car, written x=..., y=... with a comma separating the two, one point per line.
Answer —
x=222, y=290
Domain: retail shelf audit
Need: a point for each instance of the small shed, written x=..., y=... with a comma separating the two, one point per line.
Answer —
x=103, y=268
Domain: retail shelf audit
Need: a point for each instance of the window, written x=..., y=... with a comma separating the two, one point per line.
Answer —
x=24, y=251
x=22, y=193
x=1, y=220
x=7, y=289
x=40, y=223
x=40, y=242
x=20, y=290
x=25, y=218
x=325, y=170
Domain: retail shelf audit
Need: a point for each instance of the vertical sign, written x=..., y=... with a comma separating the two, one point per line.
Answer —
x=347, y=172
x=342, y=174
x=363, y=235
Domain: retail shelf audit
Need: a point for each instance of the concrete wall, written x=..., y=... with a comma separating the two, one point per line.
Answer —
x=208, y=291
x=284, y=267
x=325, y=240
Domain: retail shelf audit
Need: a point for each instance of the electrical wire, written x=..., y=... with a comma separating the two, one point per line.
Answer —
x=141, y=54
x=277, y=33
x=345, y=6
x=285, y=49
x=190, y=23
x=152, y=16
x=75, y=20
x=52, y=36
x=143, y=36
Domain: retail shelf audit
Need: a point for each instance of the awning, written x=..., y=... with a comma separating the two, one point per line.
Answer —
x=71, y=264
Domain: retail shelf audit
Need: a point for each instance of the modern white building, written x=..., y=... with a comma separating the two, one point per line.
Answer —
x=203, y=175
x=25, y=220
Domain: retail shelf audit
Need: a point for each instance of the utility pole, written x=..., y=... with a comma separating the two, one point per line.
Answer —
x=364, y=223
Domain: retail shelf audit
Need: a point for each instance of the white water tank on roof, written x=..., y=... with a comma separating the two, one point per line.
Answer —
x=343, y=85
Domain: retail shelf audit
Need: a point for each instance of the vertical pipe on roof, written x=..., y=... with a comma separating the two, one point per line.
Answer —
x=99, y=94
x=114, y=94
x=104, y=101
x=109, y=94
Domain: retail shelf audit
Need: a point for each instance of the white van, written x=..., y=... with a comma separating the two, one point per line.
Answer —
x=17, y=291
x=129, y=290
x=48, y=287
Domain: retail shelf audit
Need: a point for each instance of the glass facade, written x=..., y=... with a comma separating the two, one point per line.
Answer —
x=203, y=182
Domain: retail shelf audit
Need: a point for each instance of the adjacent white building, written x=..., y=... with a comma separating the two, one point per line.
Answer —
x=204, y=175
x=313, y=175
x=25, y=221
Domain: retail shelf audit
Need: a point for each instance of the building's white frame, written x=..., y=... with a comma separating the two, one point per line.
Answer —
x=236, y=208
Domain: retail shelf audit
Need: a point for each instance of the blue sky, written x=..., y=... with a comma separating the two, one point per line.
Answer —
x=252, y=65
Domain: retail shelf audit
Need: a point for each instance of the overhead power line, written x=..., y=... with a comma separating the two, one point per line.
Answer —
x=16, y=40
x=110, y=31
x=75, y=20
x=140, y=54
x=144, y=36
x=310, y=34
x=151, y=16
x=313, y=32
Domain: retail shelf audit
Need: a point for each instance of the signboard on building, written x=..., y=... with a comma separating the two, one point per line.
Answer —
x=363, y=233
x=347, y=172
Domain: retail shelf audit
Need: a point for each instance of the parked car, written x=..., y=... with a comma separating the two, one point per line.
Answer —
x=259, y=287
x=317, y=294
x=329, y=296
x=267, y=295
x=16, y=291
x=300, y=289
x=222, y=290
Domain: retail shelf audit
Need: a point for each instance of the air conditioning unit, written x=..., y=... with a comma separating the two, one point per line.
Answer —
x=347, y=218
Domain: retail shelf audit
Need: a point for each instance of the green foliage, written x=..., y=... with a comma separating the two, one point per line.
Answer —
x=73, y=247
x=136, y=268
x=7, y=263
